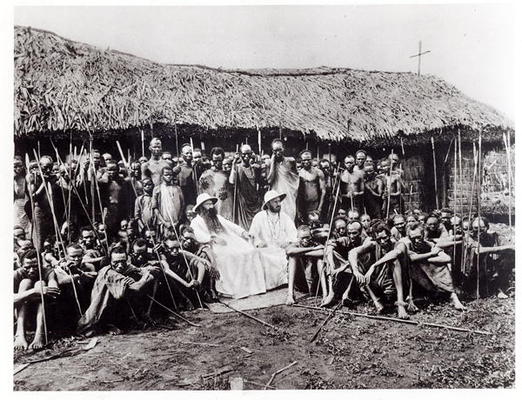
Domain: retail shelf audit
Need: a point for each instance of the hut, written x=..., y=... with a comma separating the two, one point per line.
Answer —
x=67, y=90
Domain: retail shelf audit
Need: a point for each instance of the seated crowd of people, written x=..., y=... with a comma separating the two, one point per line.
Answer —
x=100, y=243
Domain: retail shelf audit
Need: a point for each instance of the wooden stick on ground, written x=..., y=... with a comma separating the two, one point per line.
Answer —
x=251, y=316
x=277, y=373
x=403, y=321
x=328, y=318
x=173, y=312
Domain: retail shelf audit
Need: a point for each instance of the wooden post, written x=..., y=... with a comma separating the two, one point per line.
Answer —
x=435, y=172
x=142, y=143
x=258, y=140
x=508, y=157
x=460, y=173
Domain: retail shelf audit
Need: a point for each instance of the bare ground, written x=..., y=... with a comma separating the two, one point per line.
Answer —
x=350, y=352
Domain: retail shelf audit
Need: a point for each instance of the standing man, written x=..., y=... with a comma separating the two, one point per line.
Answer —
x=324, y=166
x=186, y=175
x=283, y=178
x=312, y=188
x=115, y=196
x=20, y=197
x=352, y=186
x=245, y=177
x=394, y=186
x=152, y=168
x=44, y=201
x=167, y=201
x=215, y=182
x=360, y=160
x=373, y=192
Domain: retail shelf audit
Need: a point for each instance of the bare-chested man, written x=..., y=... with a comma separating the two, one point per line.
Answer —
x=360, y=160
x=20, y=196
x=311, y=192
x=283, y=178
x=187, y=177
x=392, y=176
x=429, y=265
x=215, y=182
x=115, y=195
x=27, y=299
x=308, y=255
x=152, y=168
x=382, y=271
x=373, y=192
x=352, y=186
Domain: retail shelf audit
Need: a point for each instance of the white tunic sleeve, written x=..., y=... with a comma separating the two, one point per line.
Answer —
x=201, y=232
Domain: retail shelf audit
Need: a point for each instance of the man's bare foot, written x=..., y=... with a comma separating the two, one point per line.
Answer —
x=114, y=330
x=290, y=300
x=402, y=313
x=379, y=308
x=38, y=342
x=412, y=307
x=328, y=300
x=501, y=295
x=20, y=343
x=456, y=303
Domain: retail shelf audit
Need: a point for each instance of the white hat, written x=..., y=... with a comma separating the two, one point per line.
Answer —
x=202, y=198
x=271, y=195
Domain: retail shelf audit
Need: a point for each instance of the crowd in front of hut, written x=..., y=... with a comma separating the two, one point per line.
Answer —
x=102, y=243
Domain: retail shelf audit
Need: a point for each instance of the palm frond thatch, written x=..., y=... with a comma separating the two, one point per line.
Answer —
x=62, y=85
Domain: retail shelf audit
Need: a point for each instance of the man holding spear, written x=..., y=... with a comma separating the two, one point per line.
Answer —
x=246, y=176
x=31, y=284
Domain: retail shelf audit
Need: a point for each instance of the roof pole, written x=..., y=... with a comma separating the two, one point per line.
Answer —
x=435, y=173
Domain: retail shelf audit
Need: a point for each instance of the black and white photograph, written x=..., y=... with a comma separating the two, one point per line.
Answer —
x=257, y=197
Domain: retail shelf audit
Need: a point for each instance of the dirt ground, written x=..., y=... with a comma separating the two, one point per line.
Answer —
x=350, y=352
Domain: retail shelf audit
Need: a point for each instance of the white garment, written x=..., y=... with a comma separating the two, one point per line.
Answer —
x=276, y=230
x=244, y=270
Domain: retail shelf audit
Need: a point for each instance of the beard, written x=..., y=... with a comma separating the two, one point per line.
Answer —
x=274, y=209
x=211, y=220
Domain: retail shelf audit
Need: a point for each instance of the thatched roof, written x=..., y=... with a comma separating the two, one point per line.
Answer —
x=62, y=86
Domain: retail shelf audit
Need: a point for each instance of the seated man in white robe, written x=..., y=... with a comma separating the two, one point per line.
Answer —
x=273, y=229
x=244, y=269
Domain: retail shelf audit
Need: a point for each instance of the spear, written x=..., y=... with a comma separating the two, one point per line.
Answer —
x=84, y=207
x=336, y=197
x=92, y=178
x=389, y=188
x=57, y=228
x=454, y=201
x=184, y=256
x=36, y=245
x=235, y=191
x=479, y=194
x=154, y=244
x=435, y=173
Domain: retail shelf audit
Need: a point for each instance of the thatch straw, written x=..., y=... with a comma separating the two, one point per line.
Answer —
x=61, y=85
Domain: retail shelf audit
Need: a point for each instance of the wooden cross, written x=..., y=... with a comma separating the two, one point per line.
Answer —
x=419, y=54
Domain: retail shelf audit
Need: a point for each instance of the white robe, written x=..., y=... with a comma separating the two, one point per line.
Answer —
x=273, y=230
x=244, y=270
